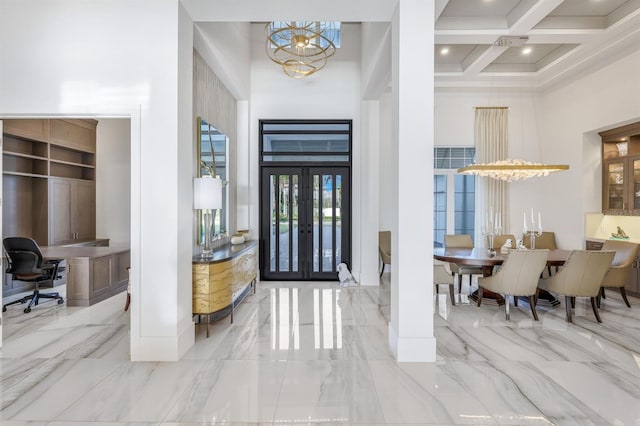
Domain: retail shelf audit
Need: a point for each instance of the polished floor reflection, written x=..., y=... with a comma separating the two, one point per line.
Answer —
x=315, y=353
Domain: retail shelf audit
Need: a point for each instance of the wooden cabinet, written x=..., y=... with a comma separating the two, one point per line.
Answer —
x=79, y=135
x=36, y=129
x=220, y=283
x=72, y=210
x=49, y=179
x=621, y=170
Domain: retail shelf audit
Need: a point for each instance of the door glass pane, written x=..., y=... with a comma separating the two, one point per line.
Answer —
x=636, y=184
x=338, y=216
x=616, y=185
x=272, y=222
x=439, y=210
x=316, y=223
x=283, y=216
x=295, y=229
x=327, y=223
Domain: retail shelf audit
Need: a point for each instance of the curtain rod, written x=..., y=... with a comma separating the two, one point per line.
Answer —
x=490, y=107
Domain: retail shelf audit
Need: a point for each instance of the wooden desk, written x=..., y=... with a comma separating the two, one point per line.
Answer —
x=481, y=257
x=222, y=281
x=93, y=273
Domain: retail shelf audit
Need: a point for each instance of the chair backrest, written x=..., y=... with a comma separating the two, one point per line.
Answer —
x=24, y=255
x=582, y=273
x=384, y=246
x=441, y=274
x=520, y=272
x=499, y=240
x=620, y=269
x=547, y=240
x=458, y=241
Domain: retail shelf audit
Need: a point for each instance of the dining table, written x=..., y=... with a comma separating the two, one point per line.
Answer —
x=487, y=260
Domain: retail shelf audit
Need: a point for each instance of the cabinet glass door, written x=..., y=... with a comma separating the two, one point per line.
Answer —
x=636, y=184
x=616, y=185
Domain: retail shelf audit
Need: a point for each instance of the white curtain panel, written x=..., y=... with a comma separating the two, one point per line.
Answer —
x=492, y=144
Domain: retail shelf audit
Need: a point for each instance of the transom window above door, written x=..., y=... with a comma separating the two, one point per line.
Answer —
x=305, y=141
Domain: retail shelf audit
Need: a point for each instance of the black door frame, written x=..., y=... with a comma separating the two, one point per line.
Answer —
x=305, y=223
x=344, y=167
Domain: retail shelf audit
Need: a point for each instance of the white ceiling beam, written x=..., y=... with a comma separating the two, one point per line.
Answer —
x=559, y=36
x=440, y=5
x=487, y=57
x=468, y=36
x=529, y=19
x=287, y=10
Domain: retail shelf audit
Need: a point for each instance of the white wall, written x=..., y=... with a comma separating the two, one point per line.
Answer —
x=558, y=126
x=388, y=167
x=334, y=92
x=68, y=58
x=113, y=180
x=455, y=118
x=572, y=114
x=226, y=48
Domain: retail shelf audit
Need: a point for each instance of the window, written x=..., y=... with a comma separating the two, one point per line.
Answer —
x=453, y=194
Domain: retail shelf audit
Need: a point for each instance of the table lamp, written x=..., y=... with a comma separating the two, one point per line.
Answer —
x=207, y=196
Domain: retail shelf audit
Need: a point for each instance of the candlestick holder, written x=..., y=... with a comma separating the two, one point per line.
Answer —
x=532, y=233
x=490, y=233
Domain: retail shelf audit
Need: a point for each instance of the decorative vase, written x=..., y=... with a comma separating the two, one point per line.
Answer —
x=237, y=239
x=245, y=233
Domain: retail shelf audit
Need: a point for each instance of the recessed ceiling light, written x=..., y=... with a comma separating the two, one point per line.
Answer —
x=444, y=51
x=526, y=50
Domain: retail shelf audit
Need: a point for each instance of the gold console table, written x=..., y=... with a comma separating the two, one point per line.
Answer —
x=222, y=281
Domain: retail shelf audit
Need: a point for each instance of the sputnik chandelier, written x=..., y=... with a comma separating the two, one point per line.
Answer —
x=300, y=47
x=510, y=170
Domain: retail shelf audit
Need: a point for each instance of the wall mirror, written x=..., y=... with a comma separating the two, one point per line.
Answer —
x=212, y=160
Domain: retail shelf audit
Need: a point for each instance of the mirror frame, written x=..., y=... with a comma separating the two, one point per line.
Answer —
x=224, y=222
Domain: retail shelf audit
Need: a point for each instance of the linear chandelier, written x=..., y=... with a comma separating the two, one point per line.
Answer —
x=300, y=47
x=510, y=170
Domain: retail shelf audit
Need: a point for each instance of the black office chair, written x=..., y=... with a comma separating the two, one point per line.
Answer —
x=27, y=264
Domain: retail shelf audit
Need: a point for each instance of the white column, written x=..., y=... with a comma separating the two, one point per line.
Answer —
x=369, y=194
x=411, y=329
x=243, y=171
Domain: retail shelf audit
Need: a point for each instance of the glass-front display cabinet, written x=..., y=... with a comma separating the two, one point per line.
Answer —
x=621, y=170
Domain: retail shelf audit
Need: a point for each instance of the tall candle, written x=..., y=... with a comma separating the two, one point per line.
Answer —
x=499, y=220
x=524, y=226
x=532, y=221
x=539, y=222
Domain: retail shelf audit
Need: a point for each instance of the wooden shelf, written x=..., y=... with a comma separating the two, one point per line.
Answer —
x=69, y=163
x=4, y=172
x=20, y=154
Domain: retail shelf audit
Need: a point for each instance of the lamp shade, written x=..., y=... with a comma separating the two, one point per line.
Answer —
x=207, y=193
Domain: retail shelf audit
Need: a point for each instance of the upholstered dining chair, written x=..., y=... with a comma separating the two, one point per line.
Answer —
x=546, y=240
x=580, y=276
x=620, y=269
x=442, y=275
x=461, y=241
x=384, y=247
x=518, y=276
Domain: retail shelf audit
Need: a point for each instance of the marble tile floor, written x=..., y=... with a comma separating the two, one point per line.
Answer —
x=316, y=354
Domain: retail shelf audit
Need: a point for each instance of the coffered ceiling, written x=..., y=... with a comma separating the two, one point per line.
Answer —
x=529, y=42
x=513, y=43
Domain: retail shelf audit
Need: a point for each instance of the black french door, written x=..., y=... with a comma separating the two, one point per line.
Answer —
x=305, y=222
